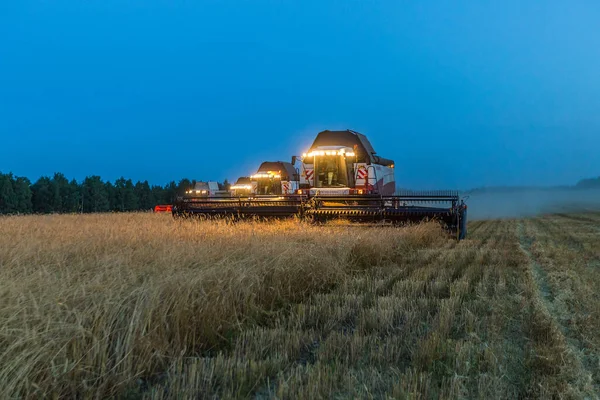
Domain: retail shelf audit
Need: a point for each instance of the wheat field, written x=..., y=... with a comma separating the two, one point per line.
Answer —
x=141, y=306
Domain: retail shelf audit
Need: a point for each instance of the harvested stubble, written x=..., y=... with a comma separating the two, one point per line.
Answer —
x=143, y=306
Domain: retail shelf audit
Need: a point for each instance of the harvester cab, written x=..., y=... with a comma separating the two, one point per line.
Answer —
x=203, y=189
x=344, y=162
x=242, y=187
x=275, y=178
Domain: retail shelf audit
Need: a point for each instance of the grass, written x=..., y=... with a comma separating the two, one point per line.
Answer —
x=144, y=306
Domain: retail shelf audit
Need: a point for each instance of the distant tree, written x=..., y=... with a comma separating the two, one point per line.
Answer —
x=60, y=192
x=111, y=194
x=8, y=198
x=126, y=199
x=591, y=183
x=225, y=185
x=72, y=197
x=159, y=194
x=131, y=200
x=183, y=185
x=170, y=192
x=120, y=194
x=144, y=195
x=43, y=195
x=22, y=189
x=95, y=198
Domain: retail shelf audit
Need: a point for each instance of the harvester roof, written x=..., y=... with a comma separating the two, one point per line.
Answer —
x=288, y=172
x=243, y=180
x=351, y=139
x=210, y=185
x=200, y=185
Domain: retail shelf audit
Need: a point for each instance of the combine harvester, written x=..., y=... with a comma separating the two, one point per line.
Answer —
x=275, y=178
x=205, y=190
x=242, y=187
x=270, y=192
x=341, y=176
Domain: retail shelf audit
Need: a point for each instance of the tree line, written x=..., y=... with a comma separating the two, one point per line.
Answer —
x=591, y=183
x=57, y=194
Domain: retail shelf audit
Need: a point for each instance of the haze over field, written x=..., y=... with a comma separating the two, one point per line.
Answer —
x=531, y=202
x=461, y=94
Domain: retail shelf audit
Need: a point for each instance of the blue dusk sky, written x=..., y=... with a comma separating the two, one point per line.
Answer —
x=459, y=93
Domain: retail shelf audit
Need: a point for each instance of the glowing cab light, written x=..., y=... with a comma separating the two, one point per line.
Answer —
x=241, y=187
x=360, y=191
x=341, y=152
x=299, y=191
x=265, y=175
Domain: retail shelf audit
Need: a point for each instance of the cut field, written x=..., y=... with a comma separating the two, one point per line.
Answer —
x=144, y=306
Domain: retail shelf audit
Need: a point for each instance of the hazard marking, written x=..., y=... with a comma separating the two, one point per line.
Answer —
x=362, y=173
x=286, y=187
x=309, y=174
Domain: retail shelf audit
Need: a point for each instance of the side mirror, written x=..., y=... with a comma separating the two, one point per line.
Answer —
x=293, y=160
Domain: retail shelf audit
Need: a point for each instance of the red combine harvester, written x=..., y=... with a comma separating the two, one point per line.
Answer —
x=341, y=176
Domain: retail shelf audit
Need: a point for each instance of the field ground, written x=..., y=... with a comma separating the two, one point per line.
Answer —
x=143, y=306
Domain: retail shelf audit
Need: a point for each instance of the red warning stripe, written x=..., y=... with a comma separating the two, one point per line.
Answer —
x=362, y=173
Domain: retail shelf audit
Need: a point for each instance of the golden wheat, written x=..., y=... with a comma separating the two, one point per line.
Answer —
x=144, y=306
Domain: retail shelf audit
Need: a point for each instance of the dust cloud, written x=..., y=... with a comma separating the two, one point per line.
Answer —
x=516, y=203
